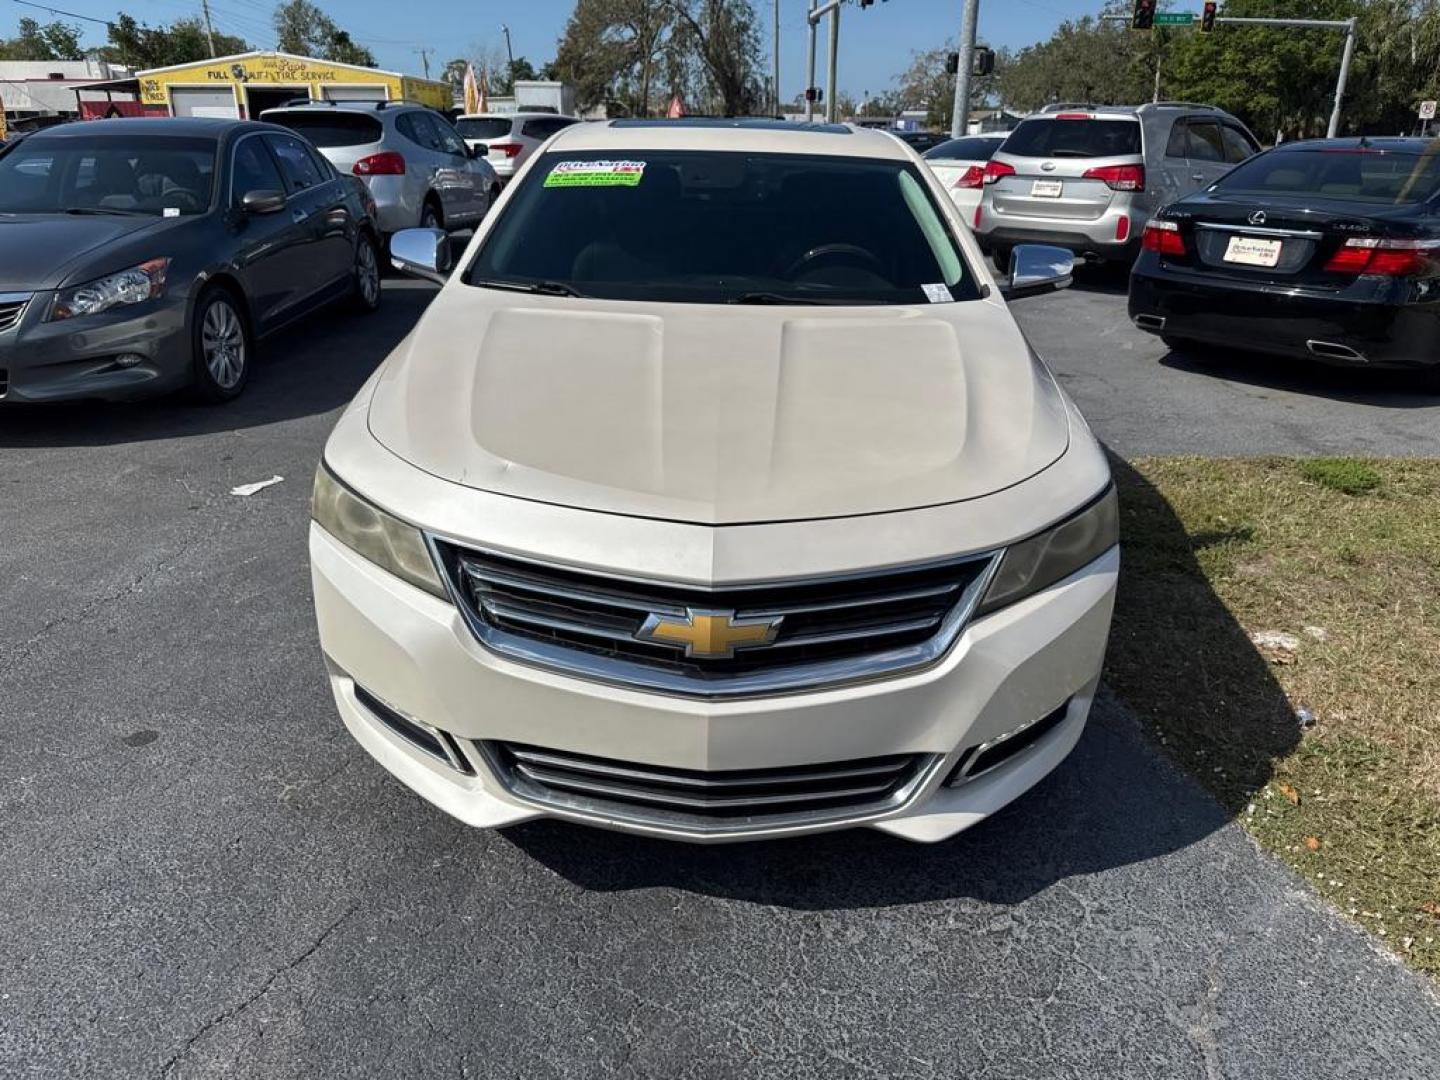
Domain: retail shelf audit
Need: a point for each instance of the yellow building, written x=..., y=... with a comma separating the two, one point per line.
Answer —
x=247, y=84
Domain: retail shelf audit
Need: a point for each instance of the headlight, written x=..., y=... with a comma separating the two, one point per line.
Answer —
x=373, y=534
x=1055, y=554
x=139, y=283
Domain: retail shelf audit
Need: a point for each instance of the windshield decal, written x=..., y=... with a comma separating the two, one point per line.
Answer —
x=596, y=174
x=938, y=294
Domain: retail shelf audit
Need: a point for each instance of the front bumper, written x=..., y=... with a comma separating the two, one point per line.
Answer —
x=416, y=654
x=1283, y=322
x=80, y=358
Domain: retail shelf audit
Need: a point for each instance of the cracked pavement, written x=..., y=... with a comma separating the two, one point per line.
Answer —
x=205, y=877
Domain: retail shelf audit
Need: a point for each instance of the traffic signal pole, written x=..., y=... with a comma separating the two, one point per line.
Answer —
x=814, y=16
x=960, y=112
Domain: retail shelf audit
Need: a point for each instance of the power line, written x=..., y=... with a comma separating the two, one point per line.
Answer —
x=67, y=14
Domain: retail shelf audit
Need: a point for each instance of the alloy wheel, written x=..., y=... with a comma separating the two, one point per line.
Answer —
x=222, y=339
x=367, y=273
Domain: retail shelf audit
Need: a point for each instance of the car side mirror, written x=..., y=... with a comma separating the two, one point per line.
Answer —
x=477, y=151
x=1034, y=267
x=262, y=202
x=422, y=253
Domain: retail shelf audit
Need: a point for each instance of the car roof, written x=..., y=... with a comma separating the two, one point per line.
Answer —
x=528, y=113
x=1414, y=144
x=754, y=136
x=193, y=126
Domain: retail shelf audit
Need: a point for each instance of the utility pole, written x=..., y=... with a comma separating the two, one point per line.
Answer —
x=425, y=59
x=509, y=56
x=810, y=67
x=775, y=65
x=960, y=113
x=209, y=26
x=830, y=90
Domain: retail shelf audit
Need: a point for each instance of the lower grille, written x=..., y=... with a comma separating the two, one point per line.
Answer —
x=729, y=641
x=706, y=801
x=431, y=740
x=12, y=307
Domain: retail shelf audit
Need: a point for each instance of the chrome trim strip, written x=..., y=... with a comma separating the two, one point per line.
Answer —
x=502, y=610
x=572, y=593
x=639, y=773
x=1298, y=234
x=800, y=678
x=859, y=634
x=579, y=808
x=696, y=802
x=964, y=776
x=841, y=605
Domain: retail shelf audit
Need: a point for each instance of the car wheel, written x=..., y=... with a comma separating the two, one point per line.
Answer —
x=221, y=347
x=367, y=274
x=430, y=217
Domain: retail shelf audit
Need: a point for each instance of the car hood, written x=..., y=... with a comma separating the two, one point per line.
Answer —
x=38, y=251
x=719, y=414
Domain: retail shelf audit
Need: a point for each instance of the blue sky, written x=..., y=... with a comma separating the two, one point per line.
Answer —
x=875, y=44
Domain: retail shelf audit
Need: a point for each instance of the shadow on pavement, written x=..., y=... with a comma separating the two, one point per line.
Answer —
x=1389, y=389
x=1183, y=664
x=312, y=367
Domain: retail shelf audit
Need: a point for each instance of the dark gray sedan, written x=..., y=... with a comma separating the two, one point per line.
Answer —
x=142, y=256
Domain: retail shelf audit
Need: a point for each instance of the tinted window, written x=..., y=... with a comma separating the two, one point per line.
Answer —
x=712, y=227
x=1369, y=176
x=1053, y=137
x=326, y=129
x=1238, y=146
x=1205, y=144
x=409, y=125
x=445, y=136
x=964, y=150
x=296, y=164
x=483, y=127
x=1179, y=144
x=544, y=128
x=151, y=175
x=254, y=170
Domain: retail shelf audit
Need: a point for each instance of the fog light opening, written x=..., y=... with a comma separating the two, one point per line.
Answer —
x=978, y=760
x=129, y=359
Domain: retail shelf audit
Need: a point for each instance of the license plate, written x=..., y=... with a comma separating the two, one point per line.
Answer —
x=1247, y=251
x=1047, y=189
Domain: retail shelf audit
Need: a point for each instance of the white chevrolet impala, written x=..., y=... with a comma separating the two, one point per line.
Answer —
x=716, y=496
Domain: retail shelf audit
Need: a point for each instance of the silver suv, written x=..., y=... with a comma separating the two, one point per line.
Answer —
x=416, y=165
x=1088, y=177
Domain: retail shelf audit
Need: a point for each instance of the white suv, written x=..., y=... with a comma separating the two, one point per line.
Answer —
x=699, y=505
x=508, y=139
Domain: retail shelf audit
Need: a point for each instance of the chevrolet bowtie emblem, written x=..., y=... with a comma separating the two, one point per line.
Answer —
x=710, y=635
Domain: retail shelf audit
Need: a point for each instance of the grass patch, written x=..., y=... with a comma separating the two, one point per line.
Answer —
x=1345, y=475
x=1341, y=584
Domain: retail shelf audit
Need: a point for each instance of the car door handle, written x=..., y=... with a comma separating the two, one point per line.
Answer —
x=1197, y=176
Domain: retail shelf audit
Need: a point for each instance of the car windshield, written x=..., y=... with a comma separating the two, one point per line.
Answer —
x=329, y=129
x=1079, y=136
x=964, y=150
x=483, y=127
x=1390, y=178
x=713, y=227
x=152, y=175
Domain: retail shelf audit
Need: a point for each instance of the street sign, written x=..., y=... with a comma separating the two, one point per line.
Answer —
x=1173, y=18
x=1427, y=110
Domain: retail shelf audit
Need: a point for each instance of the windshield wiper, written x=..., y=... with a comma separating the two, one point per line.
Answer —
x=771, y=298
x=105, y=210
x=544, y=288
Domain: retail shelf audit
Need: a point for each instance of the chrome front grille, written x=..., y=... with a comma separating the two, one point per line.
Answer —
x=816, y=632
x=12, y=307
x=721, y=801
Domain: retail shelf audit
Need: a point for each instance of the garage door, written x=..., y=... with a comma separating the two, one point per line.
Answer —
x=203, y=101
x=355, y=93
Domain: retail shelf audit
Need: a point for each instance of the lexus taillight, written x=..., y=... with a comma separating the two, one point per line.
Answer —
x=1163, y=238
x=388, y=163
x=1119, y=177
x=973, y=177
x=1385, y=258
x=509, y=149
x=994, y=170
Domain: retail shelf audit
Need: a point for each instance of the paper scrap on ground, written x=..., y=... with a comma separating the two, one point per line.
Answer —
x=596, y=174
x=246, y=490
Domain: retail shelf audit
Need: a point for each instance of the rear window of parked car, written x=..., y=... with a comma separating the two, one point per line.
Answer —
x=1062, y=137
x=964, y=150
x=483, y=127
x=1370, y=176
x=332, y=129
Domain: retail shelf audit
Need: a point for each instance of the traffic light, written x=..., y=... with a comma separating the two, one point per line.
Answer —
x=814, y=93
x=982, y=61
x=866, y=3
x=1207, y=17
x=952, y=63
x=1143, y=17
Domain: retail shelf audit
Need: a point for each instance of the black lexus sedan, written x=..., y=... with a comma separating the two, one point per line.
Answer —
x=1328, y=249
x=139, y=256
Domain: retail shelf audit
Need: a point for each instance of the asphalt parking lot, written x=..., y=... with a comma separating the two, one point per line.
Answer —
x=206, y=877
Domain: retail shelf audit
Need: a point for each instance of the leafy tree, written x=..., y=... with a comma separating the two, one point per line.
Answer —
x=53, y=41
x=182, y=42
x=615, y=52
x=303, y=29
x=722, y=40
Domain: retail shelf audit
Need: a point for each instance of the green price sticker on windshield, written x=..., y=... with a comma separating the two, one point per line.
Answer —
x=596, y=174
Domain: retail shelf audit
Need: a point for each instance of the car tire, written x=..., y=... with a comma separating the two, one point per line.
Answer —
x=221, y=346
x=430, y=217
x=367, y=274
